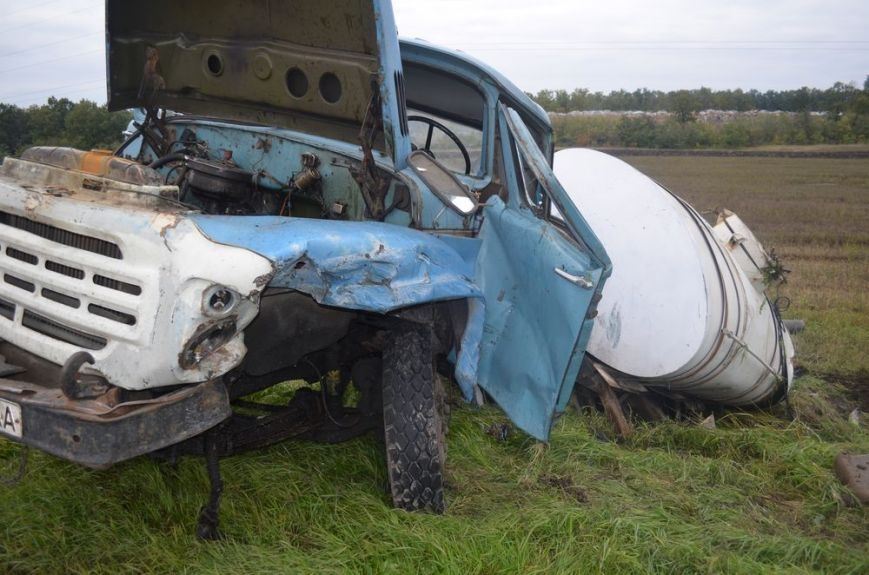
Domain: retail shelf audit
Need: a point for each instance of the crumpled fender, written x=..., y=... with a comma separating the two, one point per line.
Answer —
x=364, y=266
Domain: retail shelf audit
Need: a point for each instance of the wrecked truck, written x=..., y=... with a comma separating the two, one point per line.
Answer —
x=307, y=199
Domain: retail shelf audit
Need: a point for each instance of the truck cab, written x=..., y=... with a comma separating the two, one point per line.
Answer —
x=303, y=198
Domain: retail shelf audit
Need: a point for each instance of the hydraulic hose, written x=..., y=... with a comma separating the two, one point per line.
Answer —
x=174, y=157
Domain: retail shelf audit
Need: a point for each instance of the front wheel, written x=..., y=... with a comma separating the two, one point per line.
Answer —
x=413, y=421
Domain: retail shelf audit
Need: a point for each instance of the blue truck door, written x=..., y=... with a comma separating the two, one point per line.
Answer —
x=541, y=269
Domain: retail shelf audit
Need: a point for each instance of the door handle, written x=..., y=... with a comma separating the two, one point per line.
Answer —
x=581, y=281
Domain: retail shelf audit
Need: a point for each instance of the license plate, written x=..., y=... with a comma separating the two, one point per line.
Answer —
x=10, y=418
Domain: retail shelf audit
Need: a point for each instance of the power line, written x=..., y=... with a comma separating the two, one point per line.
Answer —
x=88, y=35
x=650, y=42
x=7, y=96
x=53, y=60
x=49, y=18
x=563, y=50
x=37, y=100
x=678, y=45
x=31, y=7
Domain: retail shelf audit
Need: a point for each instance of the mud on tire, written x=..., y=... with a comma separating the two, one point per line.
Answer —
x=413, y=421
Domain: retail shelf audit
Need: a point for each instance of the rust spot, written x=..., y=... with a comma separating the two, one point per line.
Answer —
x=263, y=280
x=169, y=226
x=152, y=81
x=33, y=202
x=263, y=144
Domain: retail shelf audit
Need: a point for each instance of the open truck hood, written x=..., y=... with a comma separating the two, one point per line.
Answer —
x=305, y=65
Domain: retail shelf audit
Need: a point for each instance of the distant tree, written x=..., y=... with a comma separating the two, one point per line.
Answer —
x=88, y=126
x=46, y=122
x=60, y=122
x=684, y=106
x=836, y=98
x=13, y=129
x=562, y=100
x=579, y=99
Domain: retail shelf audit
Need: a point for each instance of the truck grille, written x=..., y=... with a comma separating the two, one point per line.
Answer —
x=58, y=331
x=7, y=309
x=80, y=303
x=61, y=236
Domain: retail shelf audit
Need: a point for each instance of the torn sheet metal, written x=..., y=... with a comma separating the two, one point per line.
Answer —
x=365, y=266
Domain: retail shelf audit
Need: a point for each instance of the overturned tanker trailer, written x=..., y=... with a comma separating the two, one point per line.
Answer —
x=685, y=313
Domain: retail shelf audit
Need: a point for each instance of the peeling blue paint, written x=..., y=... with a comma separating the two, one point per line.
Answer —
x=365, y=266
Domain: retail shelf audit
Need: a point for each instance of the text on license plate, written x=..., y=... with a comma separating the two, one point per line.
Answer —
x=10, y=418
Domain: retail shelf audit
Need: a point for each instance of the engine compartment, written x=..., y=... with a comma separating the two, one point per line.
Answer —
x=235, y=169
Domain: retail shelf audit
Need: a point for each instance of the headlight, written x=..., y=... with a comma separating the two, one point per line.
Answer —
x=219, y=301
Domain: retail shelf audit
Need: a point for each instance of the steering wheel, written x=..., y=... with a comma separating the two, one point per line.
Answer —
x=432, y=124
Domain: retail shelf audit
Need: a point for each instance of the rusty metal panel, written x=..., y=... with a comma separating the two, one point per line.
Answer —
x=97, y=435
x=306, y=65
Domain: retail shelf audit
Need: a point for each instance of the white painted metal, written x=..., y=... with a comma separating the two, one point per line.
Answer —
x=10, y=419
x=679, y=311
x=164, y=254
x=732, y=233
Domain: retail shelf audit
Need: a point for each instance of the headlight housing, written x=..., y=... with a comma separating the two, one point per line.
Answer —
x=219, y=301
x=207, y=339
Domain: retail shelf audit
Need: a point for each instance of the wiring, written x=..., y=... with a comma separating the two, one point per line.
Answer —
x=325, y=399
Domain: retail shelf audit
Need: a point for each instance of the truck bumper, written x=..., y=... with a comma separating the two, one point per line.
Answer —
x=96, y=435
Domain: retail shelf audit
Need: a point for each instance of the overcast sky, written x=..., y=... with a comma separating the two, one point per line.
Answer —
x=55, y=47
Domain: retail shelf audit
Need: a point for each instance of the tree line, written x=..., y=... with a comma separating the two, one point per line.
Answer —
x=60, y=122
x=837, y=115
x=87, y=125
x=838, y=99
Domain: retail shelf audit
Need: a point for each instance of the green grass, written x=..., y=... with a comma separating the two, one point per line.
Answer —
x=757, y=494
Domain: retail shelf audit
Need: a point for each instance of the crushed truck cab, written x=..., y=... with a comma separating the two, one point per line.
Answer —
x=304, y=198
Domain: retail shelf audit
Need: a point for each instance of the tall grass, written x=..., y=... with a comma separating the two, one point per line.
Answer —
x=757, y=494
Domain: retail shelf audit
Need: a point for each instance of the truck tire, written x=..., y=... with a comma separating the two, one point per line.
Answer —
x=413, y=421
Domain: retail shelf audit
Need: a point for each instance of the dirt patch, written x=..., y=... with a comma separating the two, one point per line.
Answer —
x=566, y=485
x=856, y=387
x=853, y=472
x=500, y=431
